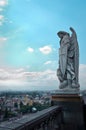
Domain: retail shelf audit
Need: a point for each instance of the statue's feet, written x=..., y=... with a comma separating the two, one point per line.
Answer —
x=63, y=84
x=74, y=85
x=66, y=85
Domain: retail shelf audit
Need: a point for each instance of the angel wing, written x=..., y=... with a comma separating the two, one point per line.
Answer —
x=74, y=41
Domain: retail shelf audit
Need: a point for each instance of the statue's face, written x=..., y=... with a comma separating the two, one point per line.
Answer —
x=61, y=35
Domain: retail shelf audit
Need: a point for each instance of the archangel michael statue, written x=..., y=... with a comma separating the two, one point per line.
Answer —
x=68, y=71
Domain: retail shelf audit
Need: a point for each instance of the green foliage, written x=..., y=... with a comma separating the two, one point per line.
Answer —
x=25, y=109
x=16, y=105
x=6, y=115
x=21, y=105
x=40, y=106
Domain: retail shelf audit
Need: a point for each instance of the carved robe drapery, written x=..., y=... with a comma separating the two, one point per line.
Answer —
x=68, y=60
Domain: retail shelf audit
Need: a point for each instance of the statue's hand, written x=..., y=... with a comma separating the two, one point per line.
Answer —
x=73, y=33
x=72, y=30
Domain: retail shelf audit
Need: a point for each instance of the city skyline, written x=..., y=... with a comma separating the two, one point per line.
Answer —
x=29, y=43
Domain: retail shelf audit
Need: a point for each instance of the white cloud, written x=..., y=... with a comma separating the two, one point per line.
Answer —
x=21, y=79
x=47, y=62
x=45, y=50
x=30, y=49
x=82, y=76
x=2, y=41
x=1, y=19
x=11, y=79
x=3, y=2
x=20, y=70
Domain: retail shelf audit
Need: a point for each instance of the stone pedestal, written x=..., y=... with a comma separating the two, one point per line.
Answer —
x=72, y=106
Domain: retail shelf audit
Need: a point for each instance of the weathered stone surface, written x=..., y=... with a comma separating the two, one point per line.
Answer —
x=68, y=70
x=72, y=106
x=47, y=119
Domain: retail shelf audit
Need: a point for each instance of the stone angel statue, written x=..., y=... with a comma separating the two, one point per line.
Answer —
x=68, y=71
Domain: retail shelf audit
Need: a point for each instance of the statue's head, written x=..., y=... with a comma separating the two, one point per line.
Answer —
x=61, y=34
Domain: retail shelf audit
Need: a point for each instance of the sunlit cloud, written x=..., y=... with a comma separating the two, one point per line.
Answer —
x=30, y=49
x=12, y=74
x=45, y=50
x=1, y=19
x=21, y=79
x=82, y=76
x=3, y=40
x=47, y=62
x=19, y=70
x=3, y=2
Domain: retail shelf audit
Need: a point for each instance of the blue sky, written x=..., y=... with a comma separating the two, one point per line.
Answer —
x=29, y=43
